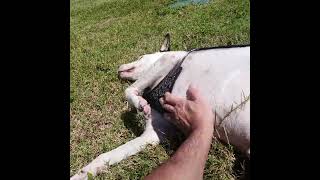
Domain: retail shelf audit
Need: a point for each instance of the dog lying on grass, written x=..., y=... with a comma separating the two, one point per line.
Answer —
x=221, y=73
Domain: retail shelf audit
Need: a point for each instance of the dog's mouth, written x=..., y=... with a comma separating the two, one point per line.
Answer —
x=125, y=73
x=126, y=70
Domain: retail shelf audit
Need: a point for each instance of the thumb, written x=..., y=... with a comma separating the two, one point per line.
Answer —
x=192, y=93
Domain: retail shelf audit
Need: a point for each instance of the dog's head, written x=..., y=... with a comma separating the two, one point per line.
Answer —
x=134, y=70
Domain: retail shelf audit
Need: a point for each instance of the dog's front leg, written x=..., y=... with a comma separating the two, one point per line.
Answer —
x=133, y=95
x=134, y=92
x=103, y=161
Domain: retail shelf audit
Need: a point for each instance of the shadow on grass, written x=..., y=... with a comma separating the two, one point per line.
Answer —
x=132, y=123
x=241, y=168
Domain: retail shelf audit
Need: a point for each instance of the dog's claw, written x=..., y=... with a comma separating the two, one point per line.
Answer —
x=142, y=103
x=144, y=108
x=140, y=108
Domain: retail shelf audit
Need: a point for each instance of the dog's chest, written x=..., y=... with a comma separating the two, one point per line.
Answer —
x=165, y=85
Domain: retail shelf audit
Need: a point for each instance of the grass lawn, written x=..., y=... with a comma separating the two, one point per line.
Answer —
x=107, y=33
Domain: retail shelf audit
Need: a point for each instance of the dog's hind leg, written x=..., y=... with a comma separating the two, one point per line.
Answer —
x=103, y=161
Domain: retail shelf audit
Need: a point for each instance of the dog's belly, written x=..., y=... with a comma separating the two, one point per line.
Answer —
x=223, y=77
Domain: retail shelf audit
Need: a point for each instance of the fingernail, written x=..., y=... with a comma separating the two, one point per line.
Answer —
x=161, y=100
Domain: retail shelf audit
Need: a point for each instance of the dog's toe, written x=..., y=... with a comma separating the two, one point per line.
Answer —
x=147, y=111
x=142, y=103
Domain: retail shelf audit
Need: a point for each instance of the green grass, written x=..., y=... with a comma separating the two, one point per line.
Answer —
x=107, y=33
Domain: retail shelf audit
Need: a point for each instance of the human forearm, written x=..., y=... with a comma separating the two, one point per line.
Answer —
x=189, y=160
x=195, y=118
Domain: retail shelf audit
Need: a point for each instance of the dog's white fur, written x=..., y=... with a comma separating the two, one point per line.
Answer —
x=222, y=75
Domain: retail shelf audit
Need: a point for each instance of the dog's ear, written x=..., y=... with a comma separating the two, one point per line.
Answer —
x=166, y=43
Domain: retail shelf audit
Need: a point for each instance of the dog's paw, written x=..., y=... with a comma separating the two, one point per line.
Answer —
x=144, y=108
x=142, y=103
x=147, y=111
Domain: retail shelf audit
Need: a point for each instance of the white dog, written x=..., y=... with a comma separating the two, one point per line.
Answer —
x=222, y=75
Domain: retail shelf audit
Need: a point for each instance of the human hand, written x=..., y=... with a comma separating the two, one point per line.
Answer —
x=191, y=114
